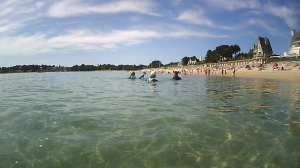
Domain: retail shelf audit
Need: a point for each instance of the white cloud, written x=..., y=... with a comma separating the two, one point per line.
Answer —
x=36, y=6
x=68, y=8
x=253, y=12
x=18, y=6
x=6, y=7
x=176, y=2
x=87, y=40
x=234, y=4
x=135, y=18
x=23, y=45
x=283, y=12
x=288, y=14
x=10, y=27
x=197, y=17
x=6, y=11
x=262, y=24
x=3, y=22
x=39, y=4
x=194, y=17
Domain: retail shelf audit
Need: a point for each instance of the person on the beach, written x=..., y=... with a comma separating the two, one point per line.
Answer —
x=176, y=77
x=132, y=75
x=233, y=72
x=222, y=70
x=143, y=75
x=152, y=77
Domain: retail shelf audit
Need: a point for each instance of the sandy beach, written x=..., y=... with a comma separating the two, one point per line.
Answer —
x=290, y=73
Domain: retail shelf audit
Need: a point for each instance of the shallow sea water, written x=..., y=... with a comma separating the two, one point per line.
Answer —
x=102, y=119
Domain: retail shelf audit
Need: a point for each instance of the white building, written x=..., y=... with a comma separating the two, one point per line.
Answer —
x=200, y=59
x=295, y=43
x=192, y=62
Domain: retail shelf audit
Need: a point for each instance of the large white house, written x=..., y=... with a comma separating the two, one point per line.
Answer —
x=192, y=62
x=295, y=43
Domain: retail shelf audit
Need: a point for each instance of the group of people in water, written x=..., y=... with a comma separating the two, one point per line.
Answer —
x=152, y=77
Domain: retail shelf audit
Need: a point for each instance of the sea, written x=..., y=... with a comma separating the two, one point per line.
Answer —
x=104, y=119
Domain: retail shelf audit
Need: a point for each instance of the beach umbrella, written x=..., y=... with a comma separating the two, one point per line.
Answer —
x=275, y=64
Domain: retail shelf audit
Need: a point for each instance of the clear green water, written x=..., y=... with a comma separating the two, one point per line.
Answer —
x=101, y=119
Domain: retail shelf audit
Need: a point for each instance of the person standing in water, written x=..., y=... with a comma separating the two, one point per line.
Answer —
x=132, y=75
x=176, y=77
x=152, y=77
x=233, y=72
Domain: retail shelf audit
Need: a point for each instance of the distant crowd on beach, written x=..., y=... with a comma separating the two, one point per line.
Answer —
x=205, y=71
x=252, y=70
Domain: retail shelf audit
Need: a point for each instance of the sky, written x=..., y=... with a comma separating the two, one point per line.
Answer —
x=92, y=32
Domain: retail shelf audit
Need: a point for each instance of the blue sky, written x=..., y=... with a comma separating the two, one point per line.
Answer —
x=69, y=32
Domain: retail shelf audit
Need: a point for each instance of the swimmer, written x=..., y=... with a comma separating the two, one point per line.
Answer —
x=132, y=75
x=152, y=77
x=233, y=72
x=176, y=77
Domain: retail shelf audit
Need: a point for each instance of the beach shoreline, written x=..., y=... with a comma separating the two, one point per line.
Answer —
x=289, y=74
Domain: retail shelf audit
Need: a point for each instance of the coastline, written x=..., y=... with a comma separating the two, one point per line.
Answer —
x=290, y=74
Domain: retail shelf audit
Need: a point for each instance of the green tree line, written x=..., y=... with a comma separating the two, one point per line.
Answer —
x=226, y=53
x=25, y=68
x=83, y=67
x=231, y=52
x=106, y=67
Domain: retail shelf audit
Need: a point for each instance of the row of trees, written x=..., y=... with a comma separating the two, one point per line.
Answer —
x=106, y=67
x=221, y=53
x=25, y=68
x=242, y=55
x=50, y=68
x=227, y=53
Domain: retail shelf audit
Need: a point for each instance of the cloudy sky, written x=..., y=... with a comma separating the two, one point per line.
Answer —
x=69, y=32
